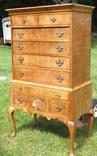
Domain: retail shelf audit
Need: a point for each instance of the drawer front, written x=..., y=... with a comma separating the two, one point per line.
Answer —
x=20, y=89
x=39, y=20
x=24, y=20
x=38, y=75
x=42, y=61
x=40, y=91
x=58, y=107
x=20, y=73
x=20, y=101
x=54, y=19
x=42, y=34
x=42, y=48
x=38, y=104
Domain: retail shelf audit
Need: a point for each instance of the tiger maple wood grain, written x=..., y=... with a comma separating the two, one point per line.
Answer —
x=51, y=63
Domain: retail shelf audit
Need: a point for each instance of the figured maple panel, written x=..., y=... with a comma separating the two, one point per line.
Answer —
x=82, y=100
x=42, y=61
x=39, y=104
x=59, y=107
x=41, y=75
x=42, y=34
x=41, y=20
x=20, y=101
x=81, y=44
x=19, y=88
x=24, y=20
x=30, y=89
x=55, y=19
x=42, y=48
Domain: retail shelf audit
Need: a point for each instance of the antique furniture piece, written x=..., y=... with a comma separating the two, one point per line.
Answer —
x=51, y=63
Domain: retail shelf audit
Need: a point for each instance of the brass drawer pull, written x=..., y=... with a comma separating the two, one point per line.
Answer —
x=19, y=89
x=20, y=74
x=58, y=108
x=23, y=20
x=59, y=48
x=59, y=62
x=20, y=100
x=58, y=96
x=20, y=34
x=60, y=33
x=20, y=59
x=59, y=78
x=19, y=46
x=53, y=19
x=37, y=104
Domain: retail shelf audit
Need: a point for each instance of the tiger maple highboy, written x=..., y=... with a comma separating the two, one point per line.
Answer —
x=51, y=63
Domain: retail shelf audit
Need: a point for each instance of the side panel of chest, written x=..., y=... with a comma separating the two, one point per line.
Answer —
x=81, y=48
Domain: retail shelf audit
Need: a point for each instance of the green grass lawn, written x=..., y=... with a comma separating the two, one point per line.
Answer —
x=43, y=138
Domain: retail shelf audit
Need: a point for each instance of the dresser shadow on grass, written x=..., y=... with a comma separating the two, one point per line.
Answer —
x=57, y=127
x=53, y=126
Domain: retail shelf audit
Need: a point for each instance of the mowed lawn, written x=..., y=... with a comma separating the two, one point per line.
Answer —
x=43, y=138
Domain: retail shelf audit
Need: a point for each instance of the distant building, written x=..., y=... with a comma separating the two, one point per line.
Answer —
x=6, y=30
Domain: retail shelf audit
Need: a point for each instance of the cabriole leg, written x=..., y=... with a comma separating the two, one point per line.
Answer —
x=35, y=117
x=72, y=129
x=90, y=123
x=11, y=117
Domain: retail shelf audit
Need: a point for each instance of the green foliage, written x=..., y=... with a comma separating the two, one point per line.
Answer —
x=43, y=138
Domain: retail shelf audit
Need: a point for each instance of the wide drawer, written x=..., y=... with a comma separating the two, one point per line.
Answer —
x=42, y=48
x=41, y=75
x=52, y=93
x=42, y=34
x=41, y=20
x=42, y=61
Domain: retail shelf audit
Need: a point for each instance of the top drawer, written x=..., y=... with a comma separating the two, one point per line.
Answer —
x=41, y=20
x=54, y=19
x=24, y=20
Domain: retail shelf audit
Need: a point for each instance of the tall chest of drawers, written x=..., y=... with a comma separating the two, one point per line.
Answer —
x=51, y=63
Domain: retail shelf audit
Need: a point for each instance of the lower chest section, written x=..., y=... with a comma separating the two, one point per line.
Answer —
x=43, y=100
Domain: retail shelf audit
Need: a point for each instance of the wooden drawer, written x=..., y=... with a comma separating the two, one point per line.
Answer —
x=42, y=34
x=24, y=20
x=27, y=89
x=41, y=20
x=20, y=101
x=41, y=75
x=42, y=61
x=42, y=48
x=54, y=19
x=20, y=88
x=58, y=107
x=38, y=104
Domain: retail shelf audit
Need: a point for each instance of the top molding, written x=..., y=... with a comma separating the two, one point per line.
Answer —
x=52, y=8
